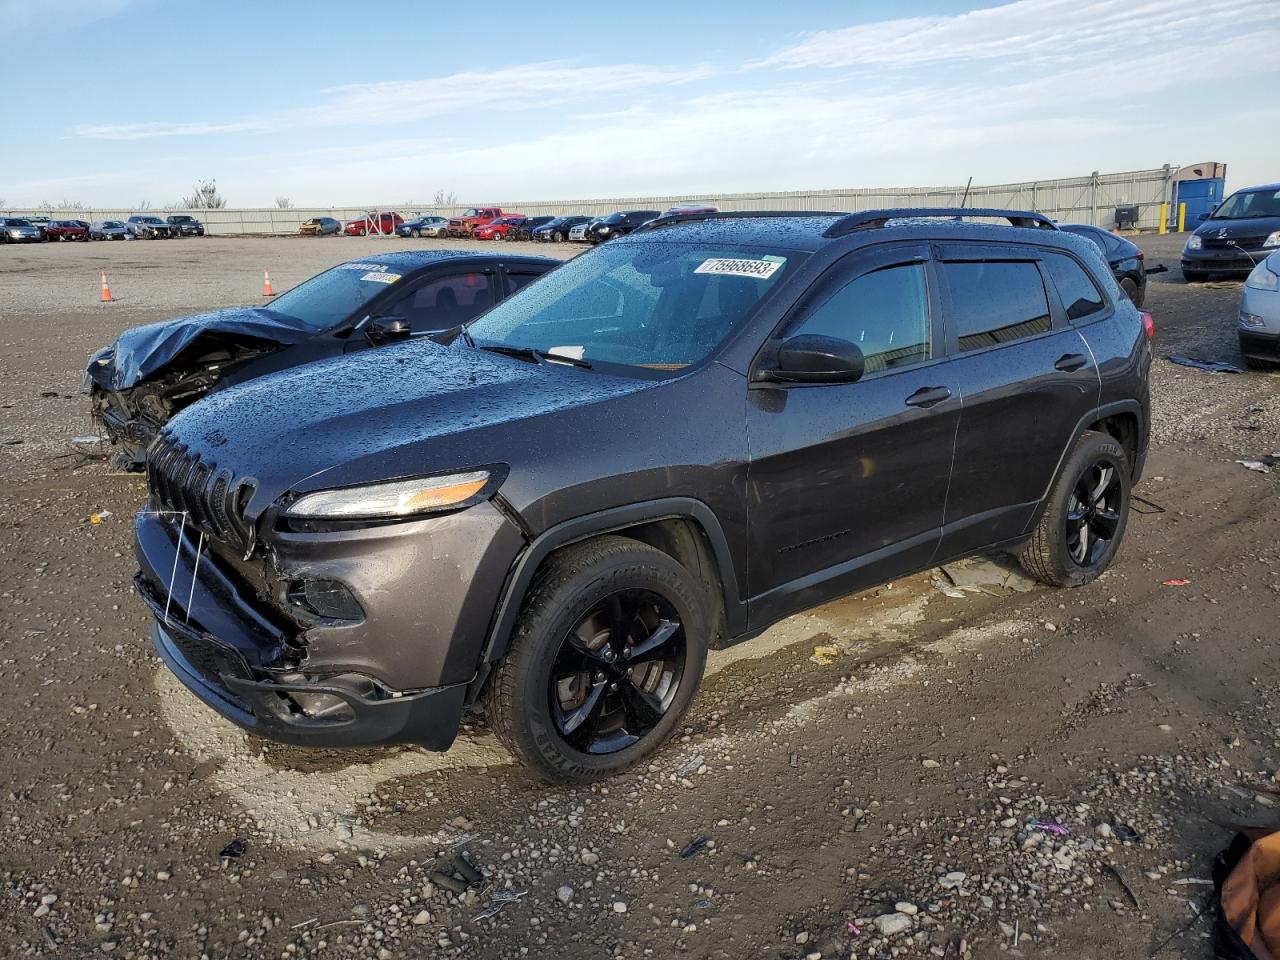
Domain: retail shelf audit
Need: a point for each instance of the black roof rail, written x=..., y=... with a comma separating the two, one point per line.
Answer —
x=665, y=221
x=869, y=219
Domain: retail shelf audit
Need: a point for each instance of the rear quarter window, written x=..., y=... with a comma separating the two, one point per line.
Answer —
x=1079, y=295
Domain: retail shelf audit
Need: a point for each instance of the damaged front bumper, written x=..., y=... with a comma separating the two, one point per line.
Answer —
x=397, y=671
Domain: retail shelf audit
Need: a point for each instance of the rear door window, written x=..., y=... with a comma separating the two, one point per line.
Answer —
x=996, y=301
x=1079, y=295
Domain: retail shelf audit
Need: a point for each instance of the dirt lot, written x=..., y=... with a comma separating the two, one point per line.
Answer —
x=808, y=796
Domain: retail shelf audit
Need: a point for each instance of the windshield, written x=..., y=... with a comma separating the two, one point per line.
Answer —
x=18, y=222
x=113, y=223
x=658, y=305
x=180, y=219
x=336, y=294
x=1249, y=205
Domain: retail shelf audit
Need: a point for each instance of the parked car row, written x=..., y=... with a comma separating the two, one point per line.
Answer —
x=494, y=223
x=731, y=384
x=138, y=227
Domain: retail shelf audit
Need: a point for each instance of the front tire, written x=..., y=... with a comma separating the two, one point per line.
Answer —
x=605, y=658
x=1084, y=521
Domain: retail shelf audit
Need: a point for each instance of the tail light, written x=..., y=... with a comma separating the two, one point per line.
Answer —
x=1141, y=255
x=1148, y=325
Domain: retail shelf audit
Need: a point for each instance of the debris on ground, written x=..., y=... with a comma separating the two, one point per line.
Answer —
x=1177, y=582
x=235, y=848
x=982, y=575
x=692, y=765
x=97, y=518
x=498, y=901
x=1262, y=464
x=1210, y=366
x=694, y=848
x=825, y=656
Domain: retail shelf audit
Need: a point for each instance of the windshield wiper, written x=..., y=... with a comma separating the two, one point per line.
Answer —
x=447, y=337
x=520, y=353
x=536, y=356
x=563, y=358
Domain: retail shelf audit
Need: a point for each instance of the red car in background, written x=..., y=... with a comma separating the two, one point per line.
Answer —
x=384, y=223
x=498, y=229
x=66, y=230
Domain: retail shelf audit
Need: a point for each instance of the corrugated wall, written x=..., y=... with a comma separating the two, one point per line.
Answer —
x=1088, y=199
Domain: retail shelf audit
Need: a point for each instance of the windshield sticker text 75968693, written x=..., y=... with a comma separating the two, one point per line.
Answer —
x=760, y=269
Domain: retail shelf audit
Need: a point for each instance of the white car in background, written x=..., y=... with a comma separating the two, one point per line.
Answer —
x=1259, y=325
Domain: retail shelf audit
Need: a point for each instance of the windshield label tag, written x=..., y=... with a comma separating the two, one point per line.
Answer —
x=760, y=269
x=378, y=276
x=359, y=265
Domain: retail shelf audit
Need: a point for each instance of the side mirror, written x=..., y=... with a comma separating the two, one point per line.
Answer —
x=389, y=328
x=810, y=358
x=1202, y=217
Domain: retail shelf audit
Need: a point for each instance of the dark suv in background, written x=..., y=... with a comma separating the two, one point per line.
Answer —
x=184, y=225
x=1239, y=234
x=618, y=224
x=552, y=512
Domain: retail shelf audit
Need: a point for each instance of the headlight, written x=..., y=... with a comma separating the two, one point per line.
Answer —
x=1263, y=279
x=399, y=498
x=1273, y=240
x=1194, y=242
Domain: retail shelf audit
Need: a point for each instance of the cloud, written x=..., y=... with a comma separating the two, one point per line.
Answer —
x=795, y=136
x=1024, y=32
x=524, y=85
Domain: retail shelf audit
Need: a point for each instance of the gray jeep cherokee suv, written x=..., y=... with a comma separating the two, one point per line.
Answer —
x=665, y=445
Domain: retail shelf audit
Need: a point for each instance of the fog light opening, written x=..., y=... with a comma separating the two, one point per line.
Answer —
x=327, y=599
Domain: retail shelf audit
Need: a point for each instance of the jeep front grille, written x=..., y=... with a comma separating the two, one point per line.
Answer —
x=212, y=499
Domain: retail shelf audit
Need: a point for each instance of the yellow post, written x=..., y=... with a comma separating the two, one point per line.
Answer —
x=1164, y=218
x=1182, y=217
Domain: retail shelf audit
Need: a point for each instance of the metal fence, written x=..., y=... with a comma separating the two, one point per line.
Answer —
x=1088, y=199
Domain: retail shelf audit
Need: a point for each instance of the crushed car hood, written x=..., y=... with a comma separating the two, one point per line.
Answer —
x=142, y=351
x=410, y=409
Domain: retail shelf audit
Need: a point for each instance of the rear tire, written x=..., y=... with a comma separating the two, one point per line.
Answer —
x=1084, y=521
x=1194, y=276
x=568, y=699
x=1132, y=291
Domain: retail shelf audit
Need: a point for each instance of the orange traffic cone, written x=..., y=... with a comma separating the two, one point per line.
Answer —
x=266, y=283
x=106, y=290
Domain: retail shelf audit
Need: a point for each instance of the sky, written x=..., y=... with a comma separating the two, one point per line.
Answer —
x=330, y=103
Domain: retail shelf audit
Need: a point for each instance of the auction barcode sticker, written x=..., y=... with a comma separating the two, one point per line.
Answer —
x=379, y=277
x=760, y=269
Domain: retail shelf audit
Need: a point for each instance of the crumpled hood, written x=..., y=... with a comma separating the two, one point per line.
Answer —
x=409, y=409
x=142, y=351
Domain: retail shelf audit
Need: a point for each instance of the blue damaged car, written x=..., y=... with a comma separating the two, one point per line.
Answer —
x=149, y=373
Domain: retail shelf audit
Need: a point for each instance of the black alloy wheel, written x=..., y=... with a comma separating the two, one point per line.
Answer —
x=617, y=672
x=1093, y=514
x=1085, y=515
x=605, y=658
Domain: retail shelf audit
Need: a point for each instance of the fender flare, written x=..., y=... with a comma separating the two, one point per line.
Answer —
x=1098, y=413
x=520, y=576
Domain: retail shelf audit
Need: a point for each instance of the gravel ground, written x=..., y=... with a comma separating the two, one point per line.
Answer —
x=1007, y=772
